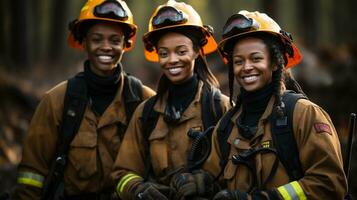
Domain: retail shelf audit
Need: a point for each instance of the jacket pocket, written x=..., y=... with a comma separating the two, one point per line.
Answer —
x=83, y=154
x=159, y=150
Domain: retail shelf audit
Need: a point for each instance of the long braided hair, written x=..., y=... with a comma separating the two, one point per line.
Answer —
x=281, y=78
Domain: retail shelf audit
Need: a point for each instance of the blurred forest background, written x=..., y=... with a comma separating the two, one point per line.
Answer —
x=34, y=57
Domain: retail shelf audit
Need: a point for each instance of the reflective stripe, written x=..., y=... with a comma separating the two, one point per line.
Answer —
x=292, y=191
x=123, y=181
x=32, y=179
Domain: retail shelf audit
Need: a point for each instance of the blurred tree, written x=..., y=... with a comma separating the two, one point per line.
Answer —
x=58, y=25
x=308, y=13
x=19, y=27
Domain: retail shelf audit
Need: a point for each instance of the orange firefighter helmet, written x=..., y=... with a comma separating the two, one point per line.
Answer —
x=171, y=15
x=245, y=22
x=105, y=10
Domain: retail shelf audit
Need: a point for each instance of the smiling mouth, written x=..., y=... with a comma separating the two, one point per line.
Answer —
x=175, y=70
x=250, y=78
x=105, y=58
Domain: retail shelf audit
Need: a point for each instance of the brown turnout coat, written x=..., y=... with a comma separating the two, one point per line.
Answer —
x=319, y=154
x=92, y=151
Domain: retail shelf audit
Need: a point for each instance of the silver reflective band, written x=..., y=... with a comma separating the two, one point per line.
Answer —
x=292, y=191
x=29, y=178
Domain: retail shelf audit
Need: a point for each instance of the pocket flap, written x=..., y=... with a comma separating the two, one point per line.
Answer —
x=158, y=134
x=84, y=139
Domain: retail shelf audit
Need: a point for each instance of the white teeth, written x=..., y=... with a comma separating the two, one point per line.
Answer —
x=250, y=79
x=175, y=70
x=105, y=58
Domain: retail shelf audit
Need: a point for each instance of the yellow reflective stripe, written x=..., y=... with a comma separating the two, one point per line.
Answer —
x=284, y=193
x=292, y=191
x=32, y=179
x=123, y=181
x=300, y=193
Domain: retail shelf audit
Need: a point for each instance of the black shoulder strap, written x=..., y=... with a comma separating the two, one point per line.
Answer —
x=211, y=100
x=283, y=136
x=149, y=117
x=224, y=129
x=133, y=94
x=75, y=103
x=148, y=123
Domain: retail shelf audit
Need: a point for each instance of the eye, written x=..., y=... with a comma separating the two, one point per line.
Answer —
x=182, y=52
x=162, y=53
x=257, y=59
x=116, y=40
x=95, y=39
x=237, y=61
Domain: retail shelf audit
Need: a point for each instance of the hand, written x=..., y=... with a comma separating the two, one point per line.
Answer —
x=152, y=191
x=231, y=195
x=196, y=184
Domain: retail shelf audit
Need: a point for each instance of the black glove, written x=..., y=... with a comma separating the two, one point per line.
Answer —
x=196, y=184
x=231, y=195
x=152, y=191
x=238, y=195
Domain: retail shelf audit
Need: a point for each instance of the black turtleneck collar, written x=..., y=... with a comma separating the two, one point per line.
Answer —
x=99, y=85
x=101, y=90
x=257, y=100
x=254, y=105
x=181, y=95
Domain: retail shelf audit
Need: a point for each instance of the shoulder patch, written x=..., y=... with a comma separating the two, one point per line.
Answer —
x=322, y=127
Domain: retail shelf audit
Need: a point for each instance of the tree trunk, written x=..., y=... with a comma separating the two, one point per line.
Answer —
x=3, y=30
x=58, y=29
x=309, y=16
x=19, y=34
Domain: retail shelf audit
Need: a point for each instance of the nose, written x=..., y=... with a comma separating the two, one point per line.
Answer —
x=106, y=46
x=248, y=65
x=173, y=58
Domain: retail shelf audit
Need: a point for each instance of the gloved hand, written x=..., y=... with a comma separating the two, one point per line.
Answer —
x=231, y=195
x=196, y=184
x=238, y=195
x=152, y=191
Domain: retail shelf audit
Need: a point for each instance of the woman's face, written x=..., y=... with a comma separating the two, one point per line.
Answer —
x=104, y=45
x=176, y=57
x=251, y=64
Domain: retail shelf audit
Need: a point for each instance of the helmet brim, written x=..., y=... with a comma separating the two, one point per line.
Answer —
x=291, y=60
x=73, y=43
x=152, y=55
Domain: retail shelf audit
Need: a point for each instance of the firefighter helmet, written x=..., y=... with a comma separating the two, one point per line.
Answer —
x=246, y=22
x=174, y=14
x=104, y=10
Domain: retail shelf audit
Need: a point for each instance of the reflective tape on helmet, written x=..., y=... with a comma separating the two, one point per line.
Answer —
x=292, y=191
x=123, y=181
x=29, y=178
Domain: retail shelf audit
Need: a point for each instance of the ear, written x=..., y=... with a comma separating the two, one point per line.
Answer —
x=274, y=67
x=84, y=44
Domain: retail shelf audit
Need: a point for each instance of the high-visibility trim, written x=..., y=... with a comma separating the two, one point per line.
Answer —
x=32, y=179
x=123, y=181
x=292, y=191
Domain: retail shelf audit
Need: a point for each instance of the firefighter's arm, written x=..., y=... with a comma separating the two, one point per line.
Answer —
x=129, y=166
x=319, y=154
x=39, y=148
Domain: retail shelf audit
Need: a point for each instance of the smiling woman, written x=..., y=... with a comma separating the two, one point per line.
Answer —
x=77, y=128
x=187, y=103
